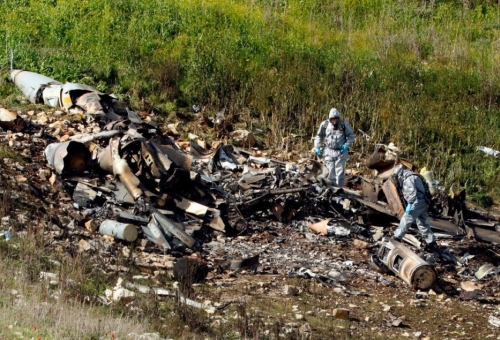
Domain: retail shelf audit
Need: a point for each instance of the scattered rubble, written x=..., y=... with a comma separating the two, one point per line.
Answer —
x=125, y=184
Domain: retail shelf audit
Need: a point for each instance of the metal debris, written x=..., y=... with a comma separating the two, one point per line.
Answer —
x=122, y=231
x=68, y=157
x=241, y=210
x=489, y=151
x=407, y=265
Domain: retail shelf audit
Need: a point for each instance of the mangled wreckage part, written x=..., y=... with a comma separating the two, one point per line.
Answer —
x=485, y=270
x=191, y=207
x=201, y=153
x=158, y=163
x=406, y=264
x=180, y=159
x=125, y=217
x=73, y=98
x=482, y=234
x=413, y=241
x=315, y=171
x=382, y=158
x=171, y=228
x=10, y=121
x=489, y=151
x=309, y=274
x=246, y=263
x=32, y=85
x=248, y=181
x=445, y=226
x=189, y=271
x=494, y=321
x=105, y=156
x=214, y=220
x=385, y=209
x=370, y=189
x=123, y=231
x=224, y=161
x=331, y=227
x=155, y=233
x=196, y=304
x=68, y=157
x=392, y=196
x=90, y=102
x=120, y=193
x=84, y=195
x=120, y=169
x=244, y=137
x=127, y=177
x=7, y=116
x=84, y=138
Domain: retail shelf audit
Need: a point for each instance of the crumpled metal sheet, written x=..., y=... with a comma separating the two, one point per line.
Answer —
x=202, y=153
x=68, y=157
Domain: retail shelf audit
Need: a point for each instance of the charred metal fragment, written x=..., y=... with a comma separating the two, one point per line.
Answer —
x=250, y=263
x=180, y=159
x=202, y=153
x=407, y=265
x=188, y=271
x=393, y=198
x=133, y=219
x=68, y=157
x=84, y=196
x=155, y=233
x=169, y=227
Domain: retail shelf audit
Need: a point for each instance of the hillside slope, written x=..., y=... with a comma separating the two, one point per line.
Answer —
x=421, y=74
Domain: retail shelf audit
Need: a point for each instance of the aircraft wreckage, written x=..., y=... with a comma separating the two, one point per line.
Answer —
x=139, y=182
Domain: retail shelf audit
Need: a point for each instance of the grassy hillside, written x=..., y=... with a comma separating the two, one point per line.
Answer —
x=423, y=74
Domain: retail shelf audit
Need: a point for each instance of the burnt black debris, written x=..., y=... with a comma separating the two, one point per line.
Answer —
x=237, y=209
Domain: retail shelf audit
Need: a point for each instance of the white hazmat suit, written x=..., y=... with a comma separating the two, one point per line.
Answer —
x=337, y=138
x=416, y=210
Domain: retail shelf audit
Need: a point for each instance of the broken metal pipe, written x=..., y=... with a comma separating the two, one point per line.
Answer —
x=68, y=157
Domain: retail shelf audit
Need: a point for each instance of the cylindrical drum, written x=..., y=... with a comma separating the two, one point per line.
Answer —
x=407, y=265
x=123, y=231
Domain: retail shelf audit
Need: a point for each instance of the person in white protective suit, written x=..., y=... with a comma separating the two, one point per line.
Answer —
x=338, y=137
x=416, y=210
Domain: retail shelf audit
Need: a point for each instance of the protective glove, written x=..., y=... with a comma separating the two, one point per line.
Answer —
x=318, y=152
x=408, y=208
x=344, y=148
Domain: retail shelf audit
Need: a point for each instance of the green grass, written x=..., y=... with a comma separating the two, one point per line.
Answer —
x=424, y=75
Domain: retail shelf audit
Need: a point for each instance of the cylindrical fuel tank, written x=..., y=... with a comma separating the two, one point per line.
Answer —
x=407, y=265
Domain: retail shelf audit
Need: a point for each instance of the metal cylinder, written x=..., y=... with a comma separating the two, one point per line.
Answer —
x=407, y=265
x=123, y=231
x=68, y=157
x=127, y=177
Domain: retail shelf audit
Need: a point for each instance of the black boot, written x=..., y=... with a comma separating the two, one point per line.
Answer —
x=432, y=247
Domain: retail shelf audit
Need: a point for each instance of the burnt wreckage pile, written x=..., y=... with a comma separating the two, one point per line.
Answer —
x=131, y=180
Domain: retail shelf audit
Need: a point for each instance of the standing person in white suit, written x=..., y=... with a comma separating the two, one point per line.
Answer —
x=337, y=136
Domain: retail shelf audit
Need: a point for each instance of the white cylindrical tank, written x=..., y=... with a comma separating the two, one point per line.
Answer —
x=123, y=231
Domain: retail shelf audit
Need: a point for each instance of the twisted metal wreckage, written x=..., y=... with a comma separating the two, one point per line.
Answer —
x=171, y=190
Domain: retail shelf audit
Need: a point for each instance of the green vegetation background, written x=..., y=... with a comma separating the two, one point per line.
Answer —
x=422, y=74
